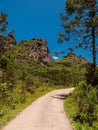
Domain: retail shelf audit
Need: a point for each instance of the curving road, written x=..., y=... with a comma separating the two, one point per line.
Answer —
x=46, y=113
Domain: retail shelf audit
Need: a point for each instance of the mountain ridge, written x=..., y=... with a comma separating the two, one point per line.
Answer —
x=34, y=50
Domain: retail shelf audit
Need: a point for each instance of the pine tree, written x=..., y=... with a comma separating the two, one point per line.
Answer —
x=80, y=21
x=3, y=22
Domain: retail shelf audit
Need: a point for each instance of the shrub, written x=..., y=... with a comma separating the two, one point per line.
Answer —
x=3, y=90
x=86, y=98
x=91, y=77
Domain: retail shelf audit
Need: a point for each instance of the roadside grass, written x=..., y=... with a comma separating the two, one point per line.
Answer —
x=71, y=109
x=9, y=112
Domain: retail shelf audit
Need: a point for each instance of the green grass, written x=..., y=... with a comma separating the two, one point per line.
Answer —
x=71, y=109
x=11, y=112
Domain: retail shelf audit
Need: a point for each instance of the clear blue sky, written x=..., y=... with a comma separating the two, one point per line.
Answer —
x=36, y=19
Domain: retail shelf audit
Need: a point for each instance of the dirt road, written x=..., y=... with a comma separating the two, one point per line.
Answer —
x=46, y=113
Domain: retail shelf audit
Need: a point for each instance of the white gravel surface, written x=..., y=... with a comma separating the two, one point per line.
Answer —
x=46, y=113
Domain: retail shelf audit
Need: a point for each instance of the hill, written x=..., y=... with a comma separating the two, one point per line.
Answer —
x=35, y=49
x=27, y=68
x=31, y=60
x=74, y=59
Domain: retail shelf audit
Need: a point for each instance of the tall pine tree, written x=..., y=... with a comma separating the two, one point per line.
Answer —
x=80, y=21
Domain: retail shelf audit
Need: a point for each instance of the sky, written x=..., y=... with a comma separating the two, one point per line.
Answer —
x=37, y=19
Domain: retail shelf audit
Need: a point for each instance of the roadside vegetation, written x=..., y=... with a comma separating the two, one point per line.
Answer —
x=82, y=105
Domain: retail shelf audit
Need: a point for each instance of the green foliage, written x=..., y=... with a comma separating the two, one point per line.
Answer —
x=3, y=62
x=80, y=121
x=91, y=76
x=3, y=90
x=86, y=98
x=74, y=73
x=3, y=22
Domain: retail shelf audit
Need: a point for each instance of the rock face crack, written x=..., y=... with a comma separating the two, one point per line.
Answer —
x=46, y=113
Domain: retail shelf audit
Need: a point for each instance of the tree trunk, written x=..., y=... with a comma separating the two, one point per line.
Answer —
x=93, y=79
x=93, y=37
x=94, y=48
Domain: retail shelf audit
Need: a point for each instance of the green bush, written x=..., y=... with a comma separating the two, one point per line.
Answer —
x=3, y=90
x=86, y=98
x=91, y=76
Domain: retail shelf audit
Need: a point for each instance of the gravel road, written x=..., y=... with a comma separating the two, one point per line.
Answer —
x=46, y=113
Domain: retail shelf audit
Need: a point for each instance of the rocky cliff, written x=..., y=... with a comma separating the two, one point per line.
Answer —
x=37, y=49
x=27, y=51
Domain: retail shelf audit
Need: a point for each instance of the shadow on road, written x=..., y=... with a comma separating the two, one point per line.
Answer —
x=60, y=96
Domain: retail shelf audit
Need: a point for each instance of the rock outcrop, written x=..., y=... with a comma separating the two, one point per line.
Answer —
x=37, y=49
x=6, y=43
x=75, y=59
